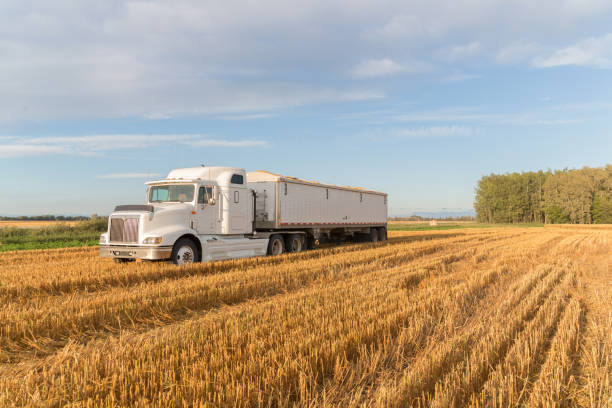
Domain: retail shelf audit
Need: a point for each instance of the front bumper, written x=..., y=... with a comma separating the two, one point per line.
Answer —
x=135, y=252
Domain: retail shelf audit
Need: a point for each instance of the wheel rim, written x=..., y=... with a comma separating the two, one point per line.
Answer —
x=277, y=247
x=185, y=255
x=295, y=245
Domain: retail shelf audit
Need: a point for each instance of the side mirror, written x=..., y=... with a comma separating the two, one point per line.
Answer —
x=211, y=201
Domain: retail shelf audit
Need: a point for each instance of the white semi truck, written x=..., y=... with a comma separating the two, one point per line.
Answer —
x=213, y=213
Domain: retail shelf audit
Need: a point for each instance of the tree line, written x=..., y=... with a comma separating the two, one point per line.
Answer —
x=575, y=196
x=419, y=218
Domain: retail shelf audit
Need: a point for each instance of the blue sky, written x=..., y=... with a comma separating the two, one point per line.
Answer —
x=417, y=99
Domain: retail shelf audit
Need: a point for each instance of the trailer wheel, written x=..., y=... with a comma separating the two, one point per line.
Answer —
x=382, y=234
x=276, y=245
x=294, y=243
x=184, y=252
x=373, y=235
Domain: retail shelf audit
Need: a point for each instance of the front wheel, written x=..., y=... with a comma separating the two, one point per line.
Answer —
x=184, y=252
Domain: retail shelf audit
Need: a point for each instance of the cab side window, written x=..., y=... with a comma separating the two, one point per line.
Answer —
x=205, y=194
x=237, y=179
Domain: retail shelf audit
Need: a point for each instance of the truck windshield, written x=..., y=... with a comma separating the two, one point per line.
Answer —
x=181, y=193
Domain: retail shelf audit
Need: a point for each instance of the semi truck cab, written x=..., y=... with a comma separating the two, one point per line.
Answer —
x=195, y=214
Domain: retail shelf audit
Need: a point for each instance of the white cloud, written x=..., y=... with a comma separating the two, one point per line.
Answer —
x=422, y=132
x=98, y=144
x=110, y=142
x=402, y=27
x=594, y=51
x=385, y=67
x=376, y=67
x=160, y=59
x=467, y=121
x=128, y=175
x=472, y=115
x=516, y=52
x=444, y=115
x=458, y=52
x=24, y=150
x=582, y=8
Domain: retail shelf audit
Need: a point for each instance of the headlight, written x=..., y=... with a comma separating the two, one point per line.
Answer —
x=152, y=240
x=103, y=239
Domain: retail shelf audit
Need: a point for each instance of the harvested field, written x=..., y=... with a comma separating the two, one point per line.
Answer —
x=471, y=317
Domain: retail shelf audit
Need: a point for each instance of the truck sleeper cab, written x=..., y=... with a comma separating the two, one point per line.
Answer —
x=214, y=213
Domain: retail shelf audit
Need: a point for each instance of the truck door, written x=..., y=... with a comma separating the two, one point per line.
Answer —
x=239, y=208
x=205, y=212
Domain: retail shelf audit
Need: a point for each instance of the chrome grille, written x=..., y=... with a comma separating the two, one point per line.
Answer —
x=124, y=230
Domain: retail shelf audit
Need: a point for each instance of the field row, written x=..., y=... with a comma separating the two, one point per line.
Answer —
x=494, y=317
x=81, y=314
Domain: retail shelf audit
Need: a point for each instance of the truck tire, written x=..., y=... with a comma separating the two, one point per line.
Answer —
x=294, y=243
x=382, y=234
x=184, y=252
x=373, y=235
x=276, y=245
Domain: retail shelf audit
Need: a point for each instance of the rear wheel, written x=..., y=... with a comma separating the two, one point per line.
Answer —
x=373, y=235
x=382, y=234
x=184, y=252
x=294, y=243
x=276, y=245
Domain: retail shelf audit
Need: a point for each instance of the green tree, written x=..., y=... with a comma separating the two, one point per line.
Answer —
x=555, y=215
x=602, y=210
x=579, y=196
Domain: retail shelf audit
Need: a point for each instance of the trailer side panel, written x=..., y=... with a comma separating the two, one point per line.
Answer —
x=289, y=203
